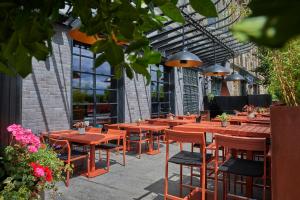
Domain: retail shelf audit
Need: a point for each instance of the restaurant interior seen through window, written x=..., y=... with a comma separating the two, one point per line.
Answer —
x=94, y=90
x=161, y=92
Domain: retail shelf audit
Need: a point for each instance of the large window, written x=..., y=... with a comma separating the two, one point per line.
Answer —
x=190, y=91
x=94, y=91
x=160, y=91
x=216, y=85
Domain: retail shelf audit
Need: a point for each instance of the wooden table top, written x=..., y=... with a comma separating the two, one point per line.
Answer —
x=245, y=119
x=88, y=138
x=143, y=126
x=176, y=121
x=235, y=130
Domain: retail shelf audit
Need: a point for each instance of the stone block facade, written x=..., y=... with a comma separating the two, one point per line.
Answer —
x=46, y=94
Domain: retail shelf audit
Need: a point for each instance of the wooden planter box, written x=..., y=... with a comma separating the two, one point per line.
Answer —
x=285, y=128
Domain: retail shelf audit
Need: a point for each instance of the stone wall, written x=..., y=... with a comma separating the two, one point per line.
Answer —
x=46, y=97
x=137, y=99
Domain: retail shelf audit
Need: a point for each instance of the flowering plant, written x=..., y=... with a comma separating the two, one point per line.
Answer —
x=80, y=125
x=27, y=167
x=249, y=108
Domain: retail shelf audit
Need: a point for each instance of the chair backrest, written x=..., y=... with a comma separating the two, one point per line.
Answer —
x=133, y=129
x=185, y=136
x=60, y=146
x=121, y=133
x=94, y=130
x=111, y=126
x=240, y=143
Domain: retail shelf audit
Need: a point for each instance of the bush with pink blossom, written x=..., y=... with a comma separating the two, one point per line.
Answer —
x=27, y=167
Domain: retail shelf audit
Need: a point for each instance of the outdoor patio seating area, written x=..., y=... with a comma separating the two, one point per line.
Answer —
x=164, y=157
x=149, y=100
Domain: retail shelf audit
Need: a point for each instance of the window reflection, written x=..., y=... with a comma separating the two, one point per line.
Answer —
x=94, y=90
x=160, y=91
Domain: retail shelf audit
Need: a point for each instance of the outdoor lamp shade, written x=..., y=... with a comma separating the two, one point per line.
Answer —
x=234, y=76
x=215, y=70
x=183, y=59
x=79, y=36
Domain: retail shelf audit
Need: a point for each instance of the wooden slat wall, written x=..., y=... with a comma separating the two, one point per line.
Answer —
x=10, y=104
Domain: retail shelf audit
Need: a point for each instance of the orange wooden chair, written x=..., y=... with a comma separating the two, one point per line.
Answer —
x=94, y=130
x=186, y=158
x=111, y=126
x=137, y=136
x=64, y=152
x=110, y=146
x=239, y=166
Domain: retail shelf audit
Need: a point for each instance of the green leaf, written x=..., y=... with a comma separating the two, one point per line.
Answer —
x=6, y=70
x=114, y=53
x=152, y=57
x=99, y=46
x=100, y=60
x=126, y=29
x=137, y=45
x=129, y=72
x=204, y=7
x=23, y=63
x=139, y=68
x=38, y=50
x=118, y=71
x=170, y=10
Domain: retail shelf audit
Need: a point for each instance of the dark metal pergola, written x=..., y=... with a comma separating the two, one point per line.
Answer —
x=201, y=38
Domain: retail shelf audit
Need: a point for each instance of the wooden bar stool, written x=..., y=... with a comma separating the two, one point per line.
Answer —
x=238, y=166
x=186, y=158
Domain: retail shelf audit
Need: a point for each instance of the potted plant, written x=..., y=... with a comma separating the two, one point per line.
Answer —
x=170, y=116
x=224, y=119
x=81, y=127
x=138, y=121
x=27, y=167
x=210, y=97
x=250, y=109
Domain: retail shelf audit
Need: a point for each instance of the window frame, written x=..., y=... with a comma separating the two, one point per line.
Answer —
x=95, y=115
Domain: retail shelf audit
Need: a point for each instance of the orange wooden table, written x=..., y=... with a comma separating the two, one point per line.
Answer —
x=235, y=130
x=91, y=139
x=146, y=127
x=245, y=119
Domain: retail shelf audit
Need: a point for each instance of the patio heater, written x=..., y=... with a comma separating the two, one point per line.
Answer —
x=215, y=69
x=183, y=58
x=234, y=76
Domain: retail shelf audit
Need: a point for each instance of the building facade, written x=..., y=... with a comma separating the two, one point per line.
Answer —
x=67, y=87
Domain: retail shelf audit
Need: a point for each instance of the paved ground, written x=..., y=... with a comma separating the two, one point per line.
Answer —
x=140, y=179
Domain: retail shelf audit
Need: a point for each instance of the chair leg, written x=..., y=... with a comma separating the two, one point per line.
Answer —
x=100, y=157
x=124, y=157
x=140, y=149
x=180, y=182
x=224, y=186
x=166, y=181
x=191, y=177
x=108, y=159
x=216, y=185
x=158, y=143
x=88, y=165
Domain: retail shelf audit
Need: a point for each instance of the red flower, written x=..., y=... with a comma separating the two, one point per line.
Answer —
x=41, y=171
x=48, y=172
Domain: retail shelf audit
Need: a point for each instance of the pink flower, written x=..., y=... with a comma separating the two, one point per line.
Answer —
x=25, y=137
x=32, y=149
